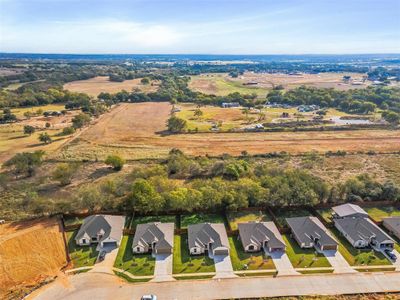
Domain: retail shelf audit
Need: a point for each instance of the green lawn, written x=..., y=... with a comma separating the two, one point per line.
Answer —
x=200, y=218
x=149, y=219
x=185, y=263
x=377, y=213
x=303, y=258
x=326, y=214
x=73, y=220
x=234, y=218
x=129, y=279
x=241, y=259
x=356, y=257
x=136, y=264
x=283, y=213
x=81, y=256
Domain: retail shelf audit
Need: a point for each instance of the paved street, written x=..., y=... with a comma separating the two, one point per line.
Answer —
x=163, y=268
x=104, y=286
x=282, y=263
x=338, y=262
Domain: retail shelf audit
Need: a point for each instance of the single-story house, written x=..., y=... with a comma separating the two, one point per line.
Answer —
x=310, y=232
x=362, y=232
x=349, y=210
x=393, y=225
x=256, y=236
x=230, y=104
x=105, y=230
x=208, y=237
x=156, y=237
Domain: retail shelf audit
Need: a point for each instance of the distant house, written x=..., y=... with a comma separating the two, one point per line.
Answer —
x=362, y=233
x=105, y=230
x=230, y=104
x=393, y=225
x=349, y=210
x=208, y=237
x=256, y=236
x=310, y=232
x=153, y=237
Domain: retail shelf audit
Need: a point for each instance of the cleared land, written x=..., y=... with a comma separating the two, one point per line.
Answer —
x=30, y=252
x=96, y=85
x=261, y=83
x=135, y=131
x=234, y=218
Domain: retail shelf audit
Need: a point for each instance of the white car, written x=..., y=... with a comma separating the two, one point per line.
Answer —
x=149, y=297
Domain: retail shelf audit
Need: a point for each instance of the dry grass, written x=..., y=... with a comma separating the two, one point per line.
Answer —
x=30, y=252
x=134, y=131
x=96, y=85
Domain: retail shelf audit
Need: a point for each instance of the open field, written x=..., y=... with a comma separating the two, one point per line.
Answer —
x=96, y=85
x=19, y=111
x=183, y=262
x=136, y=264
x=187, y=220
x=234, y=218
x=223, y=84
x=30, y=252
x=135, y=132
x=247, y=261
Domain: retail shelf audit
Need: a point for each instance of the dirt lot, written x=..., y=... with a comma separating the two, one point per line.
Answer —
x=95, y=86
x=222, y=84
x=30, y=252
x=135, y=131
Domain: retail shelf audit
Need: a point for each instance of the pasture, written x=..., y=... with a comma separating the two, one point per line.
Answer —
x=137, y=131
x=261, y=83
x=94, y=86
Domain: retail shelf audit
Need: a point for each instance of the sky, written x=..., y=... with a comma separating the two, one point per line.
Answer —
x=200, y=26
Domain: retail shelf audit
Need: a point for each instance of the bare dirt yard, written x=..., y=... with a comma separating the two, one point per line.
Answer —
x=135, y=131
x=261, y=83
x=96, y=85
x=30, y=252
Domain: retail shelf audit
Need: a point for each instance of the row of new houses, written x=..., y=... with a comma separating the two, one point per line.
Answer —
x=211, y=238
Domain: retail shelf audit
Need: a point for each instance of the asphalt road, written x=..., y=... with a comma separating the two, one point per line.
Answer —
x=105, y=286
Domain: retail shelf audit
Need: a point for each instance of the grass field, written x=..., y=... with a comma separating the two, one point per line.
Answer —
x=326, y=214
x=303, y=258
x=30, y=251
x=149, y=219
x=136, y=264
x=234, y=218
x=185, y=263
x=81, y=256
x=110, y=136
x=19, y=112
x=96, y=85
x=246, y=261
x=187, y=220
x=357, y=257
x=282, y=214
x=378, y=213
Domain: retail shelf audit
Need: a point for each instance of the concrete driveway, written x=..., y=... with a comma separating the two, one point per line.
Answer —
x=163, y=268
x=282, y=263
x=338, y=262
x=397, y=262
x=223, y=266
x=107, y=264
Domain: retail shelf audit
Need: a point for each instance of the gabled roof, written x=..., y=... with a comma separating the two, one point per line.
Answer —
x=107, y=225
x=202, y=234
x=159, y=233
x=362, y=229
x=307, y=229
x=257, y=233
x=394, y=223
x=347, y=210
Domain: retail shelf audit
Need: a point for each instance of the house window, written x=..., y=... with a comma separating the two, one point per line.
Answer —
x=251, y=247
x=194, y=250
x=138, y=249
x=83, y=241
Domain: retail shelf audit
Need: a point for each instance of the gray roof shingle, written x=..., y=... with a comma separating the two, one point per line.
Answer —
x=204, y=233
x=258, y=232
x=348, y=209
x=159, y=233
x=108, y=225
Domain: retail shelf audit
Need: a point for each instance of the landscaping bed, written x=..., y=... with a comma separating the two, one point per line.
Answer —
x=248, y=261
x=234, y=218
x=136, y=264
x=81, y=256
x=304, y=258
x=185, y=263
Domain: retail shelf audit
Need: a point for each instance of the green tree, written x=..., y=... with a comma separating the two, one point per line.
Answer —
x=145, y=80
x=145, y=198
x=25, y=162
x=64, y=173
x=115, y=161
x=80, y=120
x=28, y=129
x=176, y=124
x=198, y=113
x=44, y=137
